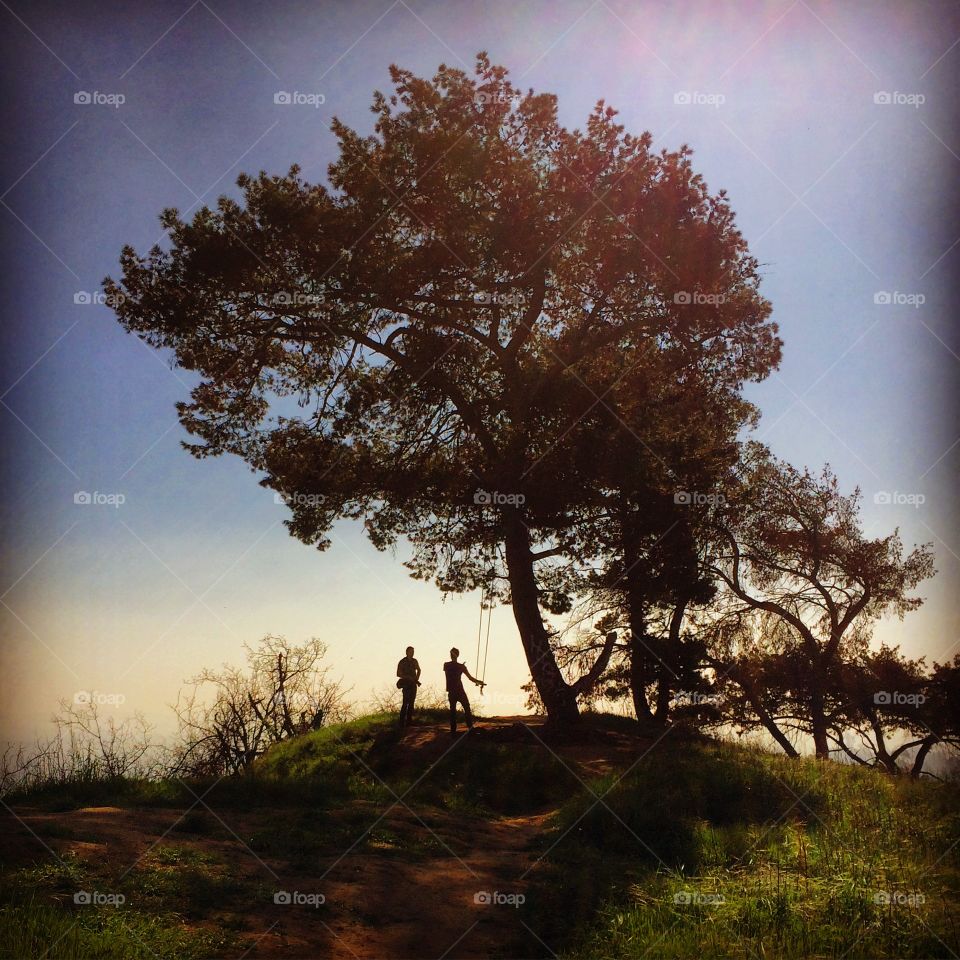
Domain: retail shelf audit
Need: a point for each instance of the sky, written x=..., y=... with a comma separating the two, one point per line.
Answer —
x=832, y=127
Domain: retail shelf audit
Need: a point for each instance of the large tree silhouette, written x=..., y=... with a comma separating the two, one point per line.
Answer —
x=445, y=341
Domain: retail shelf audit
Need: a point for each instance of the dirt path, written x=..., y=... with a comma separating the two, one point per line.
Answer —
x=405, y=882
x=433, y=907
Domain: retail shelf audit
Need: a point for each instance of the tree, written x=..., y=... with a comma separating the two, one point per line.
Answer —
x=893, y=698
x=228, y=718
x=761, y=679
x=940, y=711
x=663, y=479
x=790, y=549
x=429, y=344
x=644, y=591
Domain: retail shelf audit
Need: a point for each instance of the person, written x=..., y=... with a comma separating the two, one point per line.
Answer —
x=408, y=670
x=455, y=672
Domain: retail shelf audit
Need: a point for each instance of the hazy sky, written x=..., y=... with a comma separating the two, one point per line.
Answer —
x=842, y=198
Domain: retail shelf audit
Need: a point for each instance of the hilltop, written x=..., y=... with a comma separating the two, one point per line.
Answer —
x=507, y=842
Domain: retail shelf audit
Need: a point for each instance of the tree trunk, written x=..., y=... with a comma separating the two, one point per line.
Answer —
x=637, y=613
x=744, y=681
x=771, y=726
x=669, y=658
x=664, y=693
x=921, y=757
x=818, y=720
x=557, y=696
x=638, y=656
x=638, y=678
x=883, y=755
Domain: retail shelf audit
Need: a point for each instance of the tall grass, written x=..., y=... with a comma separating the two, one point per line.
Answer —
x=723, y=852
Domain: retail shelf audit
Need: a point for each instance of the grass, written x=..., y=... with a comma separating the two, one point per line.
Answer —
x=242, y=791
x=496, y=779
x=333, y=753
x=726, y=852
x=38, y=931
x=358, y=760
x=702, y=849
x=65, y=874
x=167, y=889
x=192, y=883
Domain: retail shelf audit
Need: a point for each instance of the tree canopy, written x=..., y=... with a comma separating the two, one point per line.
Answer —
x=467, y=338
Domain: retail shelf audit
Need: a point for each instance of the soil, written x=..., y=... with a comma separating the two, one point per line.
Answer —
x=425, y=882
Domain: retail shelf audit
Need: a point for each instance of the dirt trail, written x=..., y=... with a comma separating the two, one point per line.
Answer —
x=390, y=907
x=421, y=883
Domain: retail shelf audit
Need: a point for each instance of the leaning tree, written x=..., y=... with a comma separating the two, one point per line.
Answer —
x=431, y=342
x=789, y=552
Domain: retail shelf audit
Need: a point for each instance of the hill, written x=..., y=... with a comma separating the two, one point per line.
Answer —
x=357, y=841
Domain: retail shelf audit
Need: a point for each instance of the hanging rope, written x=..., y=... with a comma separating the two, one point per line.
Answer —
x=483, y=591
x=486, y=646
x=485, y=598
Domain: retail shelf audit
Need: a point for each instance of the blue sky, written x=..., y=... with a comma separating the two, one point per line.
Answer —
x=841, y=198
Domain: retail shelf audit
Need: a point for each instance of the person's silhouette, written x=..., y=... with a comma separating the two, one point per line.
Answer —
x=408, y=670
x=455, y=672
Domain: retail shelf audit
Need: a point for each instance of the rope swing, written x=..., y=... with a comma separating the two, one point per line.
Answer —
x=484, y=598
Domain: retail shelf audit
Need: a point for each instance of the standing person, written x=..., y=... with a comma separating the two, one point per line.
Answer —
x=455, y=672
x=408, y=670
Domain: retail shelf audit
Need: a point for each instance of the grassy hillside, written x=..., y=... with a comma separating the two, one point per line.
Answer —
x=622, y=846
x=716, y=851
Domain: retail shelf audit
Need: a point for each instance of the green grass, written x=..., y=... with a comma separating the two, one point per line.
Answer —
x=65, y=874
x=191, y=883
x=719, y=851
x=334, y=753
x=703, y=849
x=476, y=778
x=316, y=769
x=484, y=779
x=242, y=791
x=38, y=931
x=169, y=887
